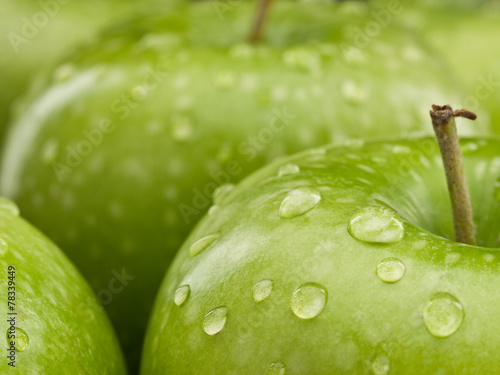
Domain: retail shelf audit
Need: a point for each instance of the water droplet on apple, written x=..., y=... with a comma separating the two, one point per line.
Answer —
x=381, y=365
x=400, y=150
x=303, y=59
x=309, y=300
x=182, y=129
x=202, y=244
x=4, y=248
x=288, y=169
x=367, y=169
x=49, y=151
x=215, y=320
x=496, y=193
x=413, y=54
x=222, y=192
x=353, y=92
x=225, y=80
x=9, y=206
x=22, y=339
x=299, y=201
x=160, y=42
x=277, y=368
x=376, y=224
x=391, y=270
x=443, y=314
x=182, y=294
x=488, y=258
x=262, y=290
x=242, y=51
x=317, y=152
x=379, y=160
x=354, y=143
x=452, y=258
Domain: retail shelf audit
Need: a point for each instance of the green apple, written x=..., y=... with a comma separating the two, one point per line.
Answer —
x=465, y=38
x=337, y=261
x=35, y=34
x=52, y=322
x=453, y=5
x=118, y=155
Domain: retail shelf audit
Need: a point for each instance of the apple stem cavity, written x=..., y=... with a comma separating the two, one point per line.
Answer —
x=259, y=21
x=443, y=121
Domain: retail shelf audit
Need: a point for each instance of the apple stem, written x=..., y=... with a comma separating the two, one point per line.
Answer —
x=258, y=25
x=443, y=121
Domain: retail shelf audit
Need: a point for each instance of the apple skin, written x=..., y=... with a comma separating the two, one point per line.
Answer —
x=128, y=139
x=67, y=330
x=465, y=39
x=366, y=325
x=36, y=34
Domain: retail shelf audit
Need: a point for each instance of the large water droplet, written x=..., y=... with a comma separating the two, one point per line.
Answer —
x=202, y=244
x=443, y=314
x=288, y=169
x=376, y=224
x=182, y=294
x=9, y=206
x=277, y=368
x=381, y=365
x=222, y=192
x=4, y=248
x=22, y=340
x=262, y=290
x=309, y=300
x=299, y=201
x=215, y=320
x=496, y=193
x=391, y=270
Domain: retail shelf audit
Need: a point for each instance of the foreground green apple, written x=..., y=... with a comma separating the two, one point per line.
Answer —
x=35, y=34
x=335, y=261
x=52, y=323
x=118, y=155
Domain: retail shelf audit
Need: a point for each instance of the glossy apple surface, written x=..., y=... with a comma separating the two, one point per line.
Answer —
x=36, y=34
x=464, y=33
x=335, y=261
x=60, y=328
x=466, y=42
x=128, y=140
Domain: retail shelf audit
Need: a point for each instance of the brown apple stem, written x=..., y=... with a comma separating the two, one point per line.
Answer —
x=260, y=18
x=443, y=121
